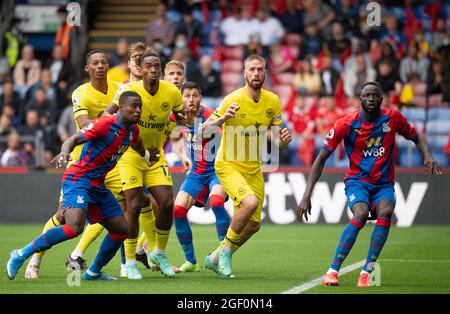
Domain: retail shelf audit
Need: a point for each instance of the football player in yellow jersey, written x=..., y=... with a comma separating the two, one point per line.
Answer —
x=89, y=101
x=173, y=73
x=246, y=114
x=159, y=98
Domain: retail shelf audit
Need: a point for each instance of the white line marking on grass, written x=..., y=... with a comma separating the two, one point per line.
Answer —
x=415, y=260
x=315, y=282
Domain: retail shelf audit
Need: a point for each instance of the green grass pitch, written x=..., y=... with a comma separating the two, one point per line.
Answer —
x=278, y=258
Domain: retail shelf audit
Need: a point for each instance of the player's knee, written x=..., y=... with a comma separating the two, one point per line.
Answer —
x=361, y=214
x=254, y=226
x=250, y=202
x=77, y=228
x=216, y=200
x=179, y=211
x=385, y=211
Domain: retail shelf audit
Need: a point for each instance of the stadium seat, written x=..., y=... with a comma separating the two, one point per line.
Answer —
x=435, y=100
x=408, y=155
x=284, y=92
x=230, y=78
x=236, y=53
x=420, y=101
x=285, y=78
x=232, y=65
x=414, y=114
x=227, y=88
x=439, y=114
x=438, y=127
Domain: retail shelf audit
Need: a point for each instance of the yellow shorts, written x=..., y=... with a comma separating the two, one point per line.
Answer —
x=238, y=185
x=136, y=173
x=112, y=183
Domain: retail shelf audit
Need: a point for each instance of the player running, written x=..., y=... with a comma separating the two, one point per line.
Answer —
x=89, y=101
x=201, y=181
x=245, y=115
x=83, y=185
x=369, y=139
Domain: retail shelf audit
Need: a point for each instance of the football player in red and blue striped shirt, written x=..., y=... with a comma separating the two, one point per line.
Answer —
x=369, y=140
x=84, y=192
x=201, y=181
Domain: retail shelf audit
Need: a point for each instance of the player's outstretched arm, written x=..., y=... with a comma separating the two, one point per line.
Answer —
x=304, y=207
x=213, y=124
x=66, y=148
x=431, y=165
x=178, y=149
x=111, y=109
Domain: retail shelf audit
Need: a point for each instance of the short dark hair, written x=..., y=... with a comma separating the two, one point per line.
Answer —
x=190, y=85
x=149, y=52
x=123, y=97
x=373, y=83
x=94, y=51
x=254, y=57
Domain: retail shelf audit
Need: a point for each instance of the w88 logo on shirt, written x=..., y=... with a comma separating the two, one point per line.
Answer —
x=374, y=148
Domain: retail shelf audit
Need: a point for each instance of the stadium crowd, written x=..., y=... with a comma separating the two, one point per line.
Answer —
x=320, y=53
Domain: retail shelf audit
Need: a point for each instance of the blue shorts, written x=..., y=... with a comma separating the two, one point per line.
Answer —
x=369, y=193
x=199, y=186
x=99, y=203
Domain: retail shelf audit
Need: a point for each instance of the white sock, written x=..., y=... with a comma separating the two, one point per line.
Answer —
x=331, y=270
x=363, y=272
x=130, y=262
x=76, y=253
x=159, y=252
x=35, y=260
x=140, y=250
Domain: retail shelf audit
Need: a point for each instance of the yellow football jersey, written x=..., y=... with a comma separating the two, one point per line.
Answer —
x=88, y=100
x=156, y=109
x=244, y=135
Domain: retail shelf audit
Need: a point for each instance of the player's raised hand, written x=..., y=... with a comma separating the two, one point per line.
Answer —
x=61, y=159
x=231, y=111
x=431, y=165
x=304, y=209
x=285, y=136
x=188, y=116
x=151, y=156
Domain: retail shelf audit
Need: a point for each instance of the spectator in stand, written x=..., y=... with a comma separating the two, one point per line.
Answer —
x=441, y=36
x=311, y=44
x=66, y=125
x=266, y=30
x=414, y=63
x=207, y=78
x=347, y=15
x=27, y=70
x=235, y=29
x=9, y=97
x=14, y=156
x=292, y=18
x=51, y=143
x=387, y=77
x=160, y=31
x=6, y=128
x=13, y=42
x=306, y=80
x=338, y=43
x=327, y=115
x=393, y=35
x=329, y=77
x=119, y=72
x=358, y=48
x=44, y=83
x=120, y=52
x=320, y=14
x=191, y=28
x=42, y=105
x=63, y=34
x=388, y=55
x=435, y=83
x=31, y=128
x=357, y=76
x=409, y=90
x=183, y=55
x=281, y=59
x=10, y=111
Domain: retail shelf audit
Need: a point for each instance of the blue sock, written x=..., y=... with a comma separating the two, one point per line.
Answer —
x=346, y=242
x=184, y=234
x=48, y=239
x=108, y=249
x=122, y=254
x=222, y=220
x=377, y=240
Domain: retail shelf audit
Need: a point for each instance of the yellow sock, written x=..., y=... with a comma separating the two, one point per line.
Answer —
x=130, y=249
x=51, y=223
x=162, y=237
x=232, y=240
x=142, y=238
x=89, y=235
x=147, y=221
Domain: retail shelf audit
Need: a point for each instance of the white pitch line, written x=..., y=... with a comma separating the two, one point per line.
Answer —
x=414, y=260
x=315, y=282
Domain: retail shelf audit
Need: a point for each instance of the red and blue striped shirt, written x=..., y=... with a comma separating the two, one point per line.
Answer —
x=107, y=139
x=370, y=145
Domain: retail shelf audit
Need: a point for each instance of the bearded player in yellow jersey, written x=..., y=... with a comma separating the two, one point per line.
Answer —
x=159, y=99
x=89, y=101
x=245, y=115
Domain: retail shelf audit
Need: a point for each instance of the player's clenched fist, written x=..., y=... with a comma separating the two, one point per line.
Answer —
x=231, y=111
x=285, y=136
